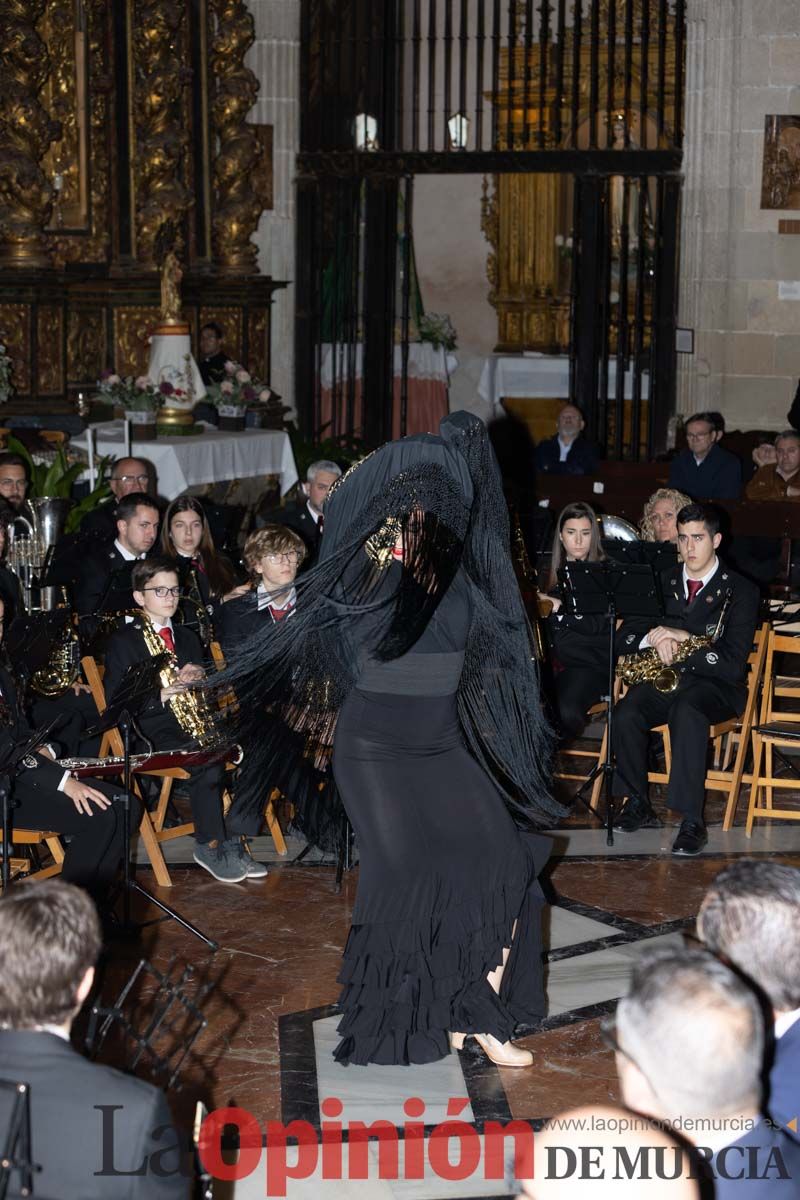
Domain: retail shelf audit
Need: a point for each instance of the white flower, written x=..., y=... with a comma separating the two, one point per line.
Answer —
x=113, y=379
x=264, y=395
x=242, y=376
x=142, y=383
x=226, y=387
x=230, y=367
x=559, y=239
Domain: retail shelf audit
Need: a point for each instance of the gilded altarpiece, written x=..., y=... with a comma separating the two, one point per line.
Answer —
x=124, y=132
x=527, y=218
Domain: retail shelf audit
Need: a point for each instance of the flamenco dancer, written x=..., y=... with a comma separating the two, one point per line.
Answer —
x=410, y=642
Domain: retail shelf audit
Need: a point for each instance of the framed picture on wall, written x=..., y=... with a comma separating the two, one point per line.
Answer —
x=780, y=173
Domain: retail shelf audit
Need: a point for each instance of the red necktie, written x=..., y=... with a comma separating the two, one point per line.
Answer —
x=693, y=587
x=166, y=636
x=198, y=566
x=278, y=614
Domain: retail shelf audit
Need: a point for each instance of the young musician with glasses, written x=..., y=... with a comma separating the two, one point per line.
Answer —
x=273, y=555
x=156, y=590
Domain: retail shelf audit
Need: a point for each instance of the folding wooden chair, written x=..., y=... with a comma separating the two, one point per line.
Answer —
x=270, y=815
x=778, y=726
x=737, y=732
x=597, y=710
x=36, y=837
x=151, y=827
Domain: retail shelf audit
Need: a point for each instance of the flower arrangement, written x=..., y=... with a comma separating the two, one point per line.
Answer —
x=437, y=328
x=237, y=390
x=6, y=386
x=132, y=394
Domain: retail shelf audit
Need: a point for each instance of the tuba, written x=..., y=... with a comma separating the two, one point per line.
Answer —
x=190, y=708
x=647, y=667
x=29, y=552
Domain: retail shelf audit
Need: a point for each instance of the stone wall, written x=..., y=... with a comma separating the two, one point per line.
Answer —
x=743, y=63
x=275, y=59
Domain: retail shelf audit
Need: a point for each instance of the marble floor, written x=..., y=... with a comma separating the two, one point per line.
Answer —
x=271, y=1005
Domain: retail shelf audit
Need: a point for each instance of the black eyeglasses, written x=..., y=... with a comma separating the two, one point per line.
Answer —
x=163, y=592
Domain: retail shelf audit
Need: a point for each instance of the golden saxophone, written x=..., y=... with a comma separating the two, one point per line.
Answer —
x=64, y=664
x=646, y=667
x=190, y=708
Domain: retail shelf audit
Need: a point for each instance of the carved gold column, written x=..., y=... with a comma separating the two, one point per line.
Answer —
x=239, y=186
x=162, y=136
x=25, y=133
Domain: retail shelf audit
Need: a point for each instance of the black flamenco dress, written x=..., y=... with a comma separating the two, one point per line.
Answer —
x=444, y=872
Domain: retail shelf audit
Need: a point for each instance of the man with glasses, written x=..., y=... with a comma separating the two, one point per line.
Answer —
x=156, y=591
x=127, y=475
x=689, y=1044
x=704, y=470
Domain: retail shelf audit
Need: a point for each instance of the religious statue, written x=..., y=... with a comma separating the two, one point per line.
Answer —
x=171, y=275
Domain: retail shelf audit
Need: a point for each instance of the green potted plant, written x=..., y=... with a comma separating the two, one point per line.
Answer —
x=139, y=400
x=53, y=482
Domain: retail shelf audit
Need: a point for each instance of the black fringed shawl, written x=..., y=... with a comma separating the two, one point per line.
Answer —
x=444, y=493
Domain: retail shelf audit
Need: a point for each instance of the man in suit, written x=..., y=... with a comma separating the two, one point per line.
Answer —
x=689, y=1042
x=305, y=516
x=45, y=796
x=750, y=917
x=128, y=475
x=711, y=685
x=95, y=1132
x=156, y=591
x=104, y=584
x=704, y=470
x=567, y=452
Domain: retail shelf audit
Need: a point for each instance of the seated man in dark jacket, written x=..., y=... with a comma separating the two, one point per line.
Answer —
x=704, y=470
x=305, y=515
x=95, y=1132
x=567, y=452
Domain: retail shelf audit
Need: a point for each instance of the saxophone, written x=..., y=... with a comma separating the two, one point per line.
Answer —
x=190, y=708
x=646, y=667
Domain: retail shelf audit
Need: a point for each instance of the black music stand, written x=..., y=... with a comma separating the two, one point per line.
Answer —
x=612, y=590
x=9, y=768
x=15, y=1139
x=29, y=644
x=136, y=688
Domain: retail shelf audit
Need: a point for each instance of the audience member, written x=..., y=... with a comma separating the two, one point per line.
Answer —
x=49, y=944
x=601, y=1152
x=212, y=357
x=127, y=475
x=305, y=515
x=780, y=478
x=660, y=515
x=689, y=1044
x=750, y=917
x=567, y=452
x=704, y=470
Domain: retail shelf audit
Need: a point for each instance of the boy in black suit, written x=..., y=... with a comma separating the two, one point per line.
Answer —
x=273, y=555
x=712, y=680
x=156, y=591
x=87, y=1120
x=45, y=796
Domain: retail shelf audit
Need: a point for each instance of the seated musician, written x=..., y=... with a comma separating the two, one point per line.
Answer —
x=206, y=576
x=273, y=556
x=578, y=644
x=104, y=583
x=156, y=591
x=711, y=680
x=45, y=796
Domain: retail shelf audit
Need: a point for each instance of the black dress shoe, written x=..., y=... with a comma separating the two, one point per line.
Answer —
x=637, y=814
x=692, y=836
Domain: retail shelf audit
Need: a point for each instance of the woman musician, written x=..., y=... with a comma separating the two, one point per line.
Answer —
x=578, y=644
x=206, y=576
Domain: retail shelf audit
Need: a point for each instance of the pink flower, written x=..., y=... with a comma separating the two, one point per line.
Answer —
x=242, y=376
x=112, y=379
x=226, y=388
x=264, y=395
x=230, y=367
x=142, y=383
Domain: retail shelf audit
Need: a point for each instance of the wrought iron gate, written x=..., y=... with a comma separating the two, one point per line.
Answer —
x=589, y=90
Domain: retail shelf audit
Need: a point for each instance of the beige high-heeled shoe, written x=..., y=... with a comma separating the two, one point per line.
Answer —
x=502, y=1054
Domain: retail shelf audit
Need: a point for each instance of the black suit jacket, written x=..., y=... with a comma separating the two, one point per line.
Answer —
x=295, y=516
x=718, y=476
x=87, y=1119
x=581, y=458
x=726, y=661
x=239, y=619
x=749, y=1168
x=104, y=585
x=101, y=523
x=126, y=646
x=784, y=1080
x=38, y=772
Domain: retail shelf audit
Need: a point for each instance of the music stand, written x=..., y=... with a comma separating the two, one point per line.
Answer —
x=610, y=589
x=136, y=688
x=29, y=644
x=15, y=1142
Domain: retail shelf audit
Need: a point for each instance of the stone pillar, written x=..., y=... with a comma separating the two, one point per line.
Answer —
x=275, y=59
